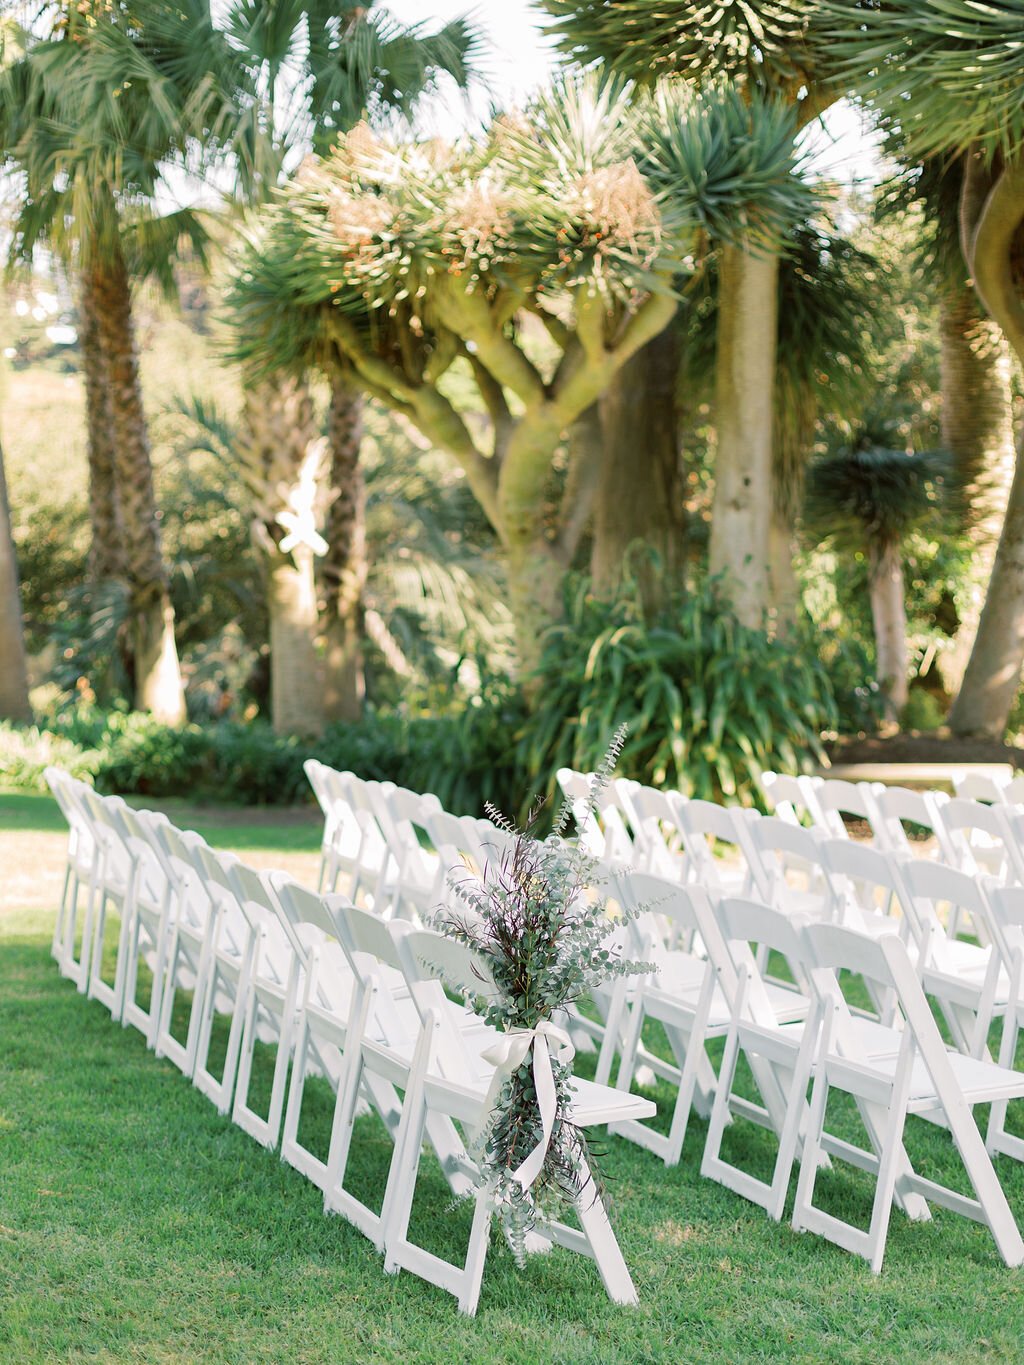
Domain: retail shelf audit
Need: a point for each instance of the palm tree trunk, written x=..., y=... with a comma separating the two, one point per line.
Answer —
x=889, y=614
x=158, y=686
x=14, y=703
x=106, y=551
x=744, y=394
x=795, y=413
x=977, y=429
x=296, y=678
x=344, y=565
x=639, y=497
x=992, y=677
x=280, y=456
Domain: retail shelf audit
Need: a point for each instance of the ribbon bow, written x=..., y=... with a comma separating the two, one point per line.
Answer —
x=507, y=1055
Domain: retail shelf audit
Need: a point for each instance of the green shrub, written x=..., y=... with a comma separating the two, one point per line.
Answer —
x=25, y=751
x=709, y=703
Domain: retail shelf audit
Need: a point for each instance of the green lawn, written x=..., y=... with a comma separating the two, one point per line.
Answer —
x=138, y=1225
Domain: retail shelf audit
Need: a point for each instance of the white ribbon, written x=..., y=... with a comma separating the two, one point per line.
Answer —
x=507, y=1056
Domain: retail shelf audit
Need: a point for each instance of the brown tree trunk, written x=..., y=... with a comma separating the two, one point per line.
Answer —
x=280, y=455
x=744, y=398
x=344, y=565
x=889, y=614
x=977, y=429
x=795, y=412
x=639, y=494
x=14, y=702
x=992, y=677
x=535, y=577
x=991, y=215
x=158, y=686
x=106, y=551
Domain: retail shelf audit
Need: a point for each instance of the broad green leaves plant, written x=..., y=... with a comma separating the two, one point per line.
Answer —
x=709, y=703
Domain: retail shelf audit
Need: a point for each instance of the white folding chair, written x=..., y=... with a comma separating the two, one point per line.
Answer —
x=190, y=946
x=791, y=798
x=685, y=997
x=985, y=839
x=1007, y=904
x=325, y=1016
x=225, y=975
x=109, y=888
x=402, y=816
x=144, y=902
x=788, y=866
x=78, y=870
x=272, y=998
x=970, y=981
x=449, y=1079
x=380, y=1044
x=921, y=1078
x=837, y=798
x=980, y=787
x=779, y=1051
x=898, y=807
x=655, y=830
x=704, y=827
x=602, y=831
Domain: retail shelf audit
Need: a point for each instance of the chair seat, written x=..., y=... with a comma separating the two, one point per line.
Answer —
x=680, y=977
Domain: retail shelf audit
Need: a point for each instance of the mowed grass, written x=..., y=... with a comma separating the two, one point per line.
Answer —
x=137, y=1224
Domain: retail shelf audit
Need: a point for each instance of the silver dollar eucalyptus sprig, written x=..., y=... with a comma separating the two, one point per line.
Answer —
x=538, y=917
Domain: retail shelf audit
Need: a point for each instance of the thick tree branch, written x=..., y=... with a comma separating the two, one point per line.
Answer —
x=469, y=315
x=586, y=383
x=975, y=188
x=992, y=263
x=439, y=420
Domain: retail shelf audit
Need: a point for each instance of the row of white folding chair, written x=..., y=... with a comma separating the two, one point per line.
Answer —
x=873, y=892
x=890, y=1069
x=200, y=923
x=993, y=790
x=403, y=1034
x=390, y=846
x=969, y=834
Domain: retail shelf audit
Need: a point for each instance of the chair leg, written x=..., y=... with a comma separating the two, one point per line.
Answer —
x=598, y=1230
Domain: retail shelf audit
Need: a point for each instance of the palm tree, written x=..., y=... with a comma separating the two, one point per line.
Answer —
x=951, y=82
x=976, y=378
x=769, y=49
x=92, y=116
x=865, y=498
x=14, y=702
x=319, y=69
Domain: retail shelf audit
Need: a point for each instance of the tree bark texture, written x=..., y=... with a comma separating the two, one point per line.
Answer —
x=158, y=686
x=106, y=550
x=535, y=576
x=296, y=682
x=744, y=393
x=14, y=702
x=639, y=493
x=793, y=423
x=889, y=615
x=977, y=430
x=991, y=214
x=344, y=565
x=280, y=457
x=992, y=678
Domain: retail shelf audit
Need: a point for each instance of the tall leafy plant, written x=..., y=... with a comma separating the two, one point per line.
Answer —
x=709, y=702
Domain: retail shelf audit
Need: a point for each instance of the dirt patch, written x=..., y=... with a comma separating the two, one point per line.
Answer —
x=932, y=747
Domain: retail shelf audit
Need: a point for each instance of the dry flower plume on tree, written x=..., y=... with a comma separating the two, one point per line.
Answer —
x=543, y=931
x=537, y=262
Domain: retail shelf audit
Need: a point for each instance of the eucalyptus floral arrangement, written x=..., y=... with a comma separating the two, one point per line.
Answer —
x=539, y=920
